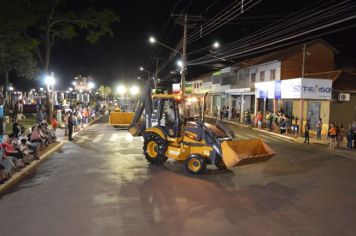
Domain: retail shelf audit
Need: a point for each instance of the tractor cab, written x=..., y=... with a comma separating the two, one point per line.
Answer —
x=167, y=114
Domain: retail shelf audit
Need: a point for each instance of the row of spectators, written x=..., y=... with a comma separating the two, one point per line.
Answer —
x=20, y=148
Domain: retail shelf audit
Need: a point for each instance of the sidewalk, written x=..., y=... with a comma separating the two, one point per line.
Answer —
x=293, y=137
x=45, y=155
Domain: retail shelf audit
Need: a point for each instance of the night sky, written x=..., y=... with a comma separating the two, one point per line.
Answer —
x=118, y=58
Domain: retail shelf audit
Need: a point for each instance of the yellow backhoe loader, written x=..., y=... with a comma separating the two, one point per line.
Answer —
x=120, y=118
x=123, y=113
x=196, y=144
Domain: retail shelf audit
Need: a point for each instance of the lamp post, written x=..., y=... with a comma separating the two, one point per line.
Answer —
x=50, y=81
x=149, y=73
x=183, y=60
x=121, y=90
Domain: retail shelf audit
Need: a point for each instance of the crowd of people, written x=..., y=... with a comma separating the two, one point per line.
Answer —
x=337, y=134
x=76, y=117
x=21, y=147
x=280, y=122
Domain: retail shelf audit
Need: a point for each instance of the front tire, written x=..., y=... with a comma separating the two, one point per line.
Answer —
x=195, y=164
x=154, y=149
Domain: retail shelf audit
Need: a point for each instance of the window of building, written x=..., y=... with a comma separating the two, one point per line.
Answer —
x=216, y=79
x=226, y=80
x=262, y=76
x=253, y=77
x=273, y=74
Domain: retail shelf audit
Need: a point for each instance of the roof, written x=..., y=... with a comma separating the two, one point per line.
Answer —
x=342, y=80
x=282, y=54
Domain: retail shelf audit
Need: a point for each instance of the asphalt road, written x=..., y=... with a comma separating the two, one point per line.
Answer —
x=101, y=185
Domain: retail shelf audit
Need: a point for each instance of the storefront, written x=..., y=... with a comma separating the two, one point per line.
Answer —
x=268, y=95
x=200, y=91
x=308, y=99
x=240, y=101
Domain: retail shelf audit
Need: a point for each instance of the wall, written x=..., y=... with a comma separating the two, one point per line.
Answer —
x=266, y=67
x=344, y=112
x=318, y=58
x=324, y=114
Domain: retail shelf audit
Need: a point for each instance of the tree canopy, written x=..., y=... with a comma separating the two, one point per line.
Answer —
x=16, y=50
x=56, y=20
x=30, y=28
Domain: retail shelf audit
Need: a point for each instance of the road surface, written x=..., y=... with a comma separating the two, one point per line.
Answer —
x=100, y=184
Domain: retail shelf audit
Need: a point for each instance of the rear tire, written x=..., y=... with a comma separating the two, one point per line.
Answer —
x=195, y=164
x=154, y=149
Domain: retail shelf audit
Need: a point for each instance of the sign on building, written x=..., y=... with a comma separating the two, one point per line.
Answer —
x=270, y=89
x=176, y=88
x=305, y=88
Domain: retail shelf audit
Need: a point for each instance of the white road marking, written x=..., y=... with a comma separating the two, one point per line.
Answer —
x=98, y=138
x=82, y=139
x=269, y=138
x=114, y=137
x=251, y=136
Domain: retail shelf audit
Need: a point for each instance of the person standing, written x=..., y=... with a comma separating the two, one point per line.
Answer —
x=349, y=137
x=332, y=133
x=306, y=132
x=259, y=119
x=54, y=123
x=39, y=116
x=319, y=128
x=340, y=135
x=65, y=120
x=222, y=111
x=268, y=120
x=353, y=127
x=70, y=127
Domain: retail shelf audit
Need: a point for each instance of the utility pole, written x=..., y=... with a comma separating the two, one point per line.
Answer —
x=184, y=60
x=184, y=20
x=156, y=70
x=303, y=66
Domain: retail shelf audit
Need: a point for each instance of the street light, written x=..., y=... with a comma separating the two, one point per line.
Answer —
x=91, y=85
x=134, y=90
x=180, y=63
x=10, y=87
x=121, y=89
x=216, y=45
x=49, y=80
x=74, y=83
x=153, y=41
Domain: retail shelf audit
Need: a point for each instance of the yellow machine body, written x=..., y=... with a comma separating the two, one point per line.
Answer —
x=234, y=152
x=119, y=118
x=195, y=144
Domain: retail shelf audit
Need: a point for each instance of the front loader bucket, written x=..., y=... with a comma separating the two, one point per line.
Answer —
x=121, y=118
x=243, y=152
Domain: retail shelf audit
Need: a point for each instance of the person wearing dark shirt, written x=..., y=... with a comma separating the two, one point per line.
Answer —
x=15, y=129
x=306, y=132
x=70, y=127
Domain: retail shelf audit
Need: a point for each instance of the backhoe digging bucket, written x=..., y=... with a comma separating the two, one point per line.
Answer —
x=243, y=152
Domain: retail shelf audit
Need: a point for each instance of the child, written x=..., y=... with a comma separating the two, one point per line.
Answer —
x=27, y=153
x=54, y=123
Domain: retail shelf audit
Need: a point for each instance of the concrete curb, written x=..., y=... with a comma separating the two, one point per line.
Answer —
x=19, y=176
